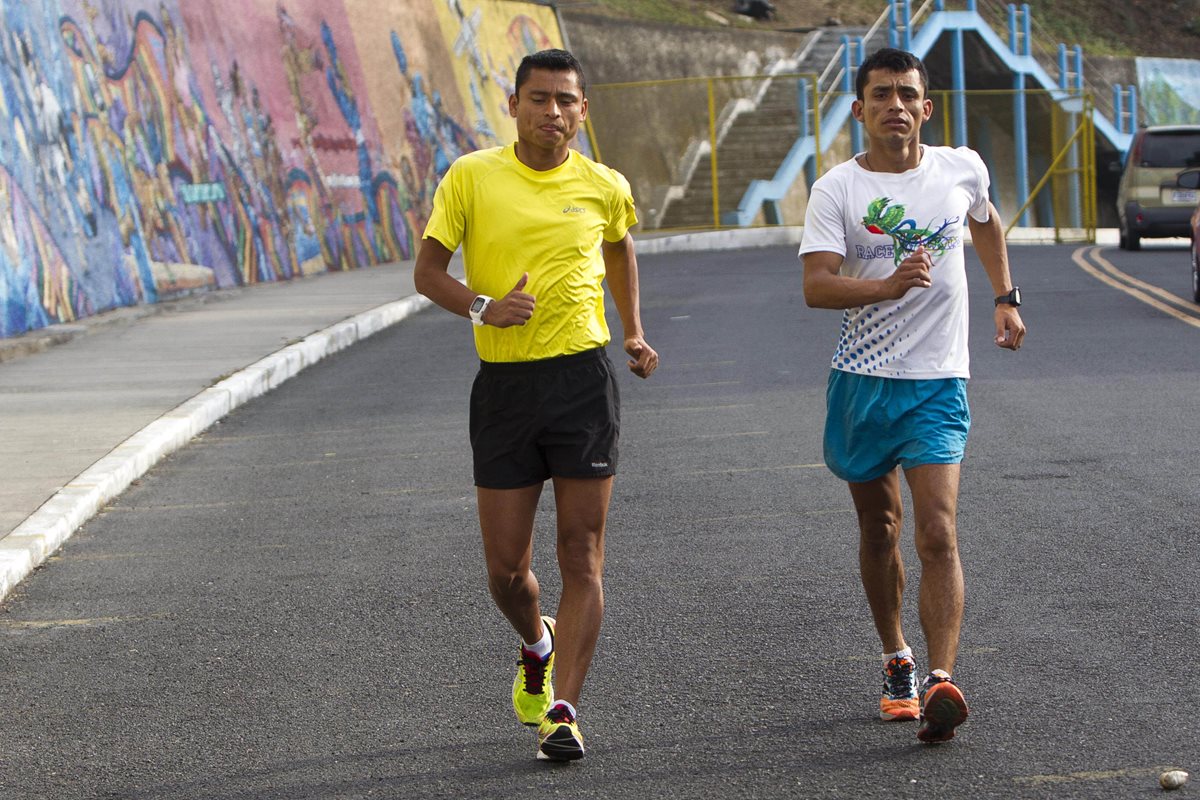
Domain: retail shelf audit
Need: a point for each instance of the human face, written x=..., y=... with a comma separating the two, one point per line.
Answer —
x=893, y=108
x=548, y=111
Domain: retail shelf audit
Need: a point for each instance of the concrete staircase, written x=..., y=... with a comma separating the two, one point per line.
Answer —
x=754, y=134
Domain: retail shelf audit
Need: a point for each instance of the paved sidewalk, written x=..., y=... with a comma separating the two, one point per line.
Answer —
x=87, y=408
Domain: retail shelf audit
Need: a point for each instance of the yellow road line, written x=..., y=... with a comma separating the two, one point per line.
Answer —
x=820, y=512
x=1170, y=297
x=38, y=624
x=739, y=470
x=1145, y=293
x=1090, y=776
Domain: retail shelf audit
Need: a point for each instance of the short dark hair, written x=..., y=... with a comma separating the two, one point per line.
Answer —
x=557, y=60
x=892, y=60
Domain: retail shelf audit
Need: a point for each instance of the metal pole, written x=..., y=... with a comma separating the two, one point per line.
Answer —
x=712, y=160
x=1089, y=149
x=959, y=84
x=817, y=123
x=1074, y=161
x=806, y=128
x=908, y=24
x=1021, y=143
x=856, y=141
x=1026, y=25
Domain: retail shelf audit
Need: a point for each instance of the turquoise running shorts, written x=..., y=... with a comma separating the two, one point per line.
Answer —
x=874, y=424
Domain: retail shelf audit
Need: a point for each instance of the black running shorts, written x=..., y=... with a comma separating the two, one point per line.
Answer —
x=533, y=420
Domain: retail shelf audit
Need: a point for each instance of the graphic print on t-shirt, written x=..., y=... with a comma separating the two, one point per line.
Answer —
x=906, y=237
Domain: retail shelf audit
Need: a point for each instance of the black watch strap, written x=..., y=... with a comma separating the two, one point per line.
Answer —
x=1013, y=298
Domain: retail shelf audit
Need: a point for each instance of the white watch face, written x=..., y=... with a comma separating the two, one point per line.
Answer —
x=478, y=305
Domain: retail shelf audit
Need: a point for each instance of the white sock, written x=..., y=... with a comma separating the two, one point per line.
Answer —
x=567, y=706
x=543, y=646
x=905, y=653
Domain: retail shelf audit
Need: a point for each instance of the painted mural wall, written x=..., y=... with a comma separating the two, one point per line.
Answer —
x=1169, y=90
x=150, y=148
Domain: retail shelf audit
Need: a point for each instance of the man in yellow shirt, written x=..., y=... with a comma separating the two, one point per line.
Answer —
x=542, y=227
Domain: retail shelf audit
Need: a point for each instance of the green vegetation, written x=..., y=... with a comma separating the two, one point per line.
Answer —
x=671, y=12
x=1166, y=28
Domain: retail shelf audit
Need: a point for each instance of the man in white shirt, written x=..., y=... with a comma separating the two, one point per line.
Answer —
x=883, y=240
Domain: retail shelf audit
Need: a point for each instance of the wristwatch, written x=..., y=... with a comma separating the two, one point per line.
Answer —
x=1013, y=298
x=478, y=306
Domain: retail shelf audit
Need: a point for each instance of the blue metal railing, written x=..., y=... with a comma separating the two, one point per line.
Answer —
x=918, y=32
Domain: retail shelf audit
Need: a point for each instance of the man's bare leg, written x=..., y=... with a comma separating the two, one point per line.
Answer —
x=582, y=506
x=880, y=514
x=506, y=521
x=935, y=508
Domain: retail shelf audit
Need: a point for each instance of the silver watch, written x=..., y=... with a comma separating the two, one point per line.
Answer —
x=478, y=306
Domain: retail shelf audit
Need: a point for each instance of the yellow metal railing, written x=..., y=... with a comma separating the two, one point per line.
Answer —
x=1080, y=144
x=725, y=98
x=663, y=135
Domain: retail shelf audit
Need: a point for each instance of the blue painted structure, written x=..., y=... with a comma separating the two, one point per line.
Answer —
x=1016, y=55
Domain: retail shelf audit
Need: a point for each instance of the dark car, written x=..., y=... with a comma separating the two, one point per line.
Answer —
x=1190, y=179
x=1150, y=203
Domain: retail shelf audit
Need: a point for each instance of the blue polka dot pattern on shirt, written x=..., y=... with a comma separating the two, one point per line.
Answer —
x=860, y=347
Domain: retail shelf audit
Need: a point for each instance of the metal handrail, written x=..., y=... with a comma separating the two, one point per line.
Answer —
x=1045, y=53
x=871, y=31
x=836, y=61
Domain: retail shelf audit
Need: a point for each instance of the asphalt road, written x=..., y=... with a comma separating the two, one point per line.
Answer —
x=294, y=605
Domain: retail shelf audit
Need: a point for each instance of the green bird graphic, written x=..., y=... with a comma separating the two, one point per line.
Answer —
x=888, y=220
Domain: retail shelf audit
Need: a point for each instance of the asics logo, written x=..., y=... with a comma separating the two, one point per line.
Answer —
x=574, y=210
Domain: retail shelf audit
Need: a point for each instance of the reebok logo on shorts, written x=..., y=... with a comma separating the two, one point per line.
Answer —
x=599, y=465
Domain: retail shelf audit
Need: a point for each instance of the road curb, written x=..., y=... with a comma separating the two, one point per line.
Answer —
x=44, y=531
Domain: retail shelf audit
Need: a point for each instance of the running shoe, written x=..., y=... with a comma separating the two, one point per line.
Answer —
x=942, y=708
x=899, y=700
x=532, y=691
x=559, y=738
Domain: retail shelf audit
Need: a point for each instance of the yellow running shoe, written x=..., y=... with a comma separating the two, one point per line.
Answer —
x=899, y=700
x=559, y=738
x=532, y=691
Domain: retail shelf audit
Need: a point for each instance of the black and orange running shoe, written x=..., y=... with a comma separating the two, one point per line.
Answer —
x=943, y=708
x=899, y=700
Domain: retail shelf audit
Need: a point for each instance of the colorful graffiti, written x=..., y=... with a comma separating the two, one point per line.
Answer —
x=1170, y=90
x=149, y=148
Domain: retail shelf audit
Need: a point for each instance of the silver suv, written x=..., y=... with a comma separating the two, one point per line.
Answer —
x=1149, y=202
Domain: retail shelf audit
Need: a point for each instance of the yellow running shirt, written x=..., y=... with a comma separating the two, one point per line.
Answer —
x=511, y=219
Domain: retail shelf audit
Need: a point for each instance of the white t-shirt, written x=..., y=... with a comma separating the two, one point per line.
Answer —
x=874, y=220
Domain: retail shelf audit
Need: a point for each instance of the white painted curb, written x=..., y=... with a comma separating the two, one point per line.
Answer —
x=730, y=239
x=44, y=531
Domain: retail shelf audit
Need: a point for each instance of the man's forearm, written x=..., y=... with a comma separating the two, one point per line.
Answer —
x=431, y=277
x=988, y=240
x=620, y=266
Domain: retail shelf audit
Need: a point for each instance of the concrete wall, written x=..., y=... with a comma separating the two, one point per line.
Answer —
x=617, y=51
x=153, y=147
x=645, y=131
